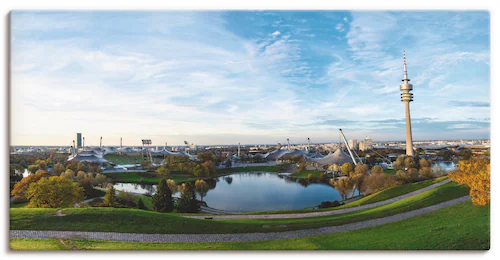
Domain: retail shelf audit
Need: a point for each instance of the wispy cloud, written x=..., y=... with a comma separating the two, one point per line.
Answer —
x=173, y=75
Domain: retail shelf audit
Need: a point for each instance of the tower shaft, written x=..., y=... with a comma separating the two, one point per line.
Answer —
x=409, y=139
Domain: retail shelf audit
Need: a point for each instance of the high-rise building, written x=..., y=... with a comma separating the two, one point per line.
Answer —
x=407, y=97
x=353, y=144
x=368, y=143
x=78, y=140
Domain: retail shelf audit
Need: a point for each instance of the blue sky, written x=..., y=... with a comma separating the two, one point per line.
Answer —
x=213, y=77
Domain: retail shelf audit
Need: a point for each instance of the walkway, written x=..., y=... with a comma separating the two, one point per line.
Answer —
x=324, y=213
x=241, y=237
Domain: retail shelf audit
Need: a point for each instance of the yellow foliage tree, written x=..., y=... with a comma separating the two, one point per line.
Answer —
x=475, y=173
x=53, y=192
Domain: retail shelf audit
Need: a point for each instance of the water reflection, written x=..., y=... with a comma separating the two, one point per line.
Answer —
x=255, y=191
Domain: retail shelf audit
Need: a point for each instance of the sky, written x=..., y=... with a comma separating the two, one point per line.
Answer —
x=223, y=77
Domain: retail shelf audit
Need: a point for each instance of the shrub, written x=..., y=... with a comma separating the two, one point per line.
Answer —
x=127, y=199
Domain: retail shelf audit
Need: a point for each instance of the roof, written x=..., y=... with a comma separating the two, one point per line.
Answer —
x=338, y=157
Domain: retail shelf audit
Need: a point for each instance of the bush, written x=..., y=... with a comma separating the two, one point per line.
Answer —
x=329, y=204
x=126, y=199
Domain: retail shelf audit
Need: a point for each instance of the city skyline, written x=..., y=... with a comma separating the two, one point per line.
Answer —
x=250, y=77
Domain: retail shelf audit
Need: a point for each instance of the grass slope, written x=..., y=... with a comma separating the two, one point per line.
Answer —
x=140, y=221
x=462, y=226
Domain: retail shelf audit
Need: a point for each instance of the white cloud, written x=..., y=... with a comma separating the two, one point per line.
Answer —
x=276, y=33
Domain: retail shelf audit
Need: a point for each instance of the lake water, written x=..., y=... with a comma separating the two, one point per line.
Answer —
x=255, y=191
x=447, y=166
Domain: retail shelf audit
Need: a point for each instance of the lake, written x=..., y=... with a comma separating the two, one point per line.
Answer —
x=255, y=191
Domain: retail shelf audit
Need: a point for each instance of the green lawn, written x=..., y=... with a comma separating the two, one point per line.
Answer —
x=249, y=169
x=141, y=221
x=124, y=159
x=462, y=226
x=390, y=171
x=304, y=174
x=393, y=192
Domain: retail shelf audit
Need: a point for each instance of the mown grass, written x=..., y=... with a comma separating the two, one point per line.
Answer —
x=393, y=192
x=249, y=169
x=390, y=171
x=459, y=227
x=305, y=174
x=141, y=221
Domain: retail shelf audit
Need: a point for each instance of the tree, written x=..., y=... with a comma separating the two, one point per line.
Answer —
x=410, y=163
x=377, y=170
x=378, y=182
x=140, y=204
x=426, y=172
x=101, y=180
x=42, y=165
x=302, y=166
x=475, y=173
x=58, y=168
x=201, y=188
x=361, y=169
x=172, y=186
x=110, y=197
x=20, y=188
x=162, y=200
x=187, y=203
x=346, y=168
x=358, y=181
x=53, y=192
x=80, y=176
x=424, y=163
x=15, y=172
x=228, y=163
x=403, y=177
x=342, y=186
x=68, y=174
x=33, y=168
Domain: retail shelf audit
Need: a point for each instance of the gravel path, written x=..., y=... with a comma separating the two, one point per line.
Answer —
x=242, y=237
x=325, y=213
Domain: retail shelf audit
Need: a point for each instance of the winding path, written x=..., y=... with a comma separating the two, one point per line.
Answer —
x=324, y=213
x=238, y=237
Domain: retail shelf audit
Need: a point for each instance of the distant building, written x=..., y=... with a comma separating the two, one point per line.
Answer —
x=366, y=144
x=353, y=144
x=78, y=140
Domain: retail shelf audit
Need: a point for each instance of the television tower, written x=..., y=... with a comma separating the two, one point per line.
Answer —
x=407, y=97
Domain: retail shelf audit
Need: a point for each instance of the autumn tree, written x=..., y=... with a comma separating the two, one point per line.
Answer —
x=201, y=187
x=377, y=169
x=20, y=188
x=342, y=186
x=426, y=172
x=53, y=192
x=378, y=182
x=475, y=173
x=162, y=200
x=346, y=168
x=410, y=163
x=172, y=186
x=58, y=168
x=68, y=174
x=424, y=163
x=110, y=197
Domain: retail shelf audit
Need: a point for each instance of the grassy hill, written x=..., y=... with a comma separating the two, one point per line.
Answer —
x=462, y=226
